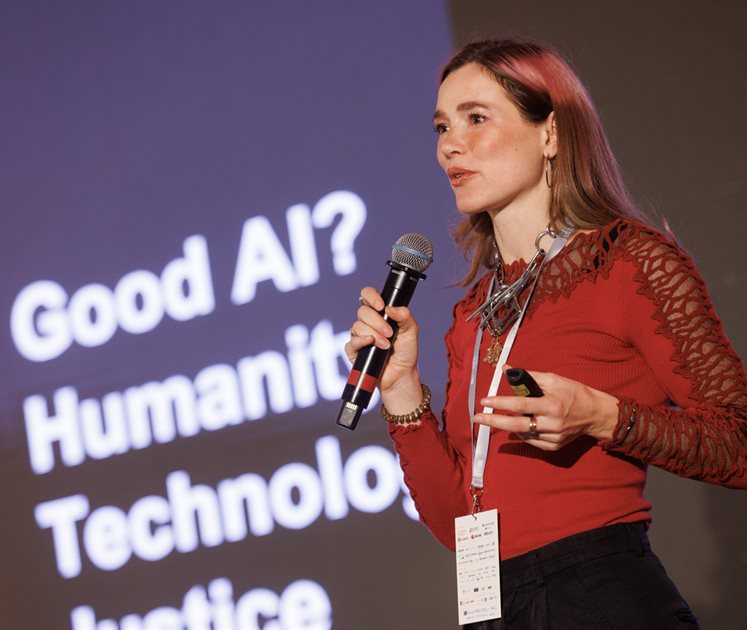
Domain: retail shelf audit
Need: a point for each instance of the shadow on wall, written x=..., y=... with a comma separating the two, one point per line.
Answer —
x=698, y=532
x=727, y=517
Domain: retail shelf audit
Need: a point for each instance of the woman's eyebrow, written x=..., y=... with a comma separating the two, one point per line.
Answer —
x=467, y=105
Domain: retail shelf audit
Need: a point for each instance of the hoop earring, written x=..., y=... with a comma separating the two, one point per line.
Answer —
x=548, y=172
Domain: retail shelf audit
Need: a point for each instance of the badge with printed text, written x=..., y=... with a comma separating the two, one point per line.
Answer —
x=478, y=575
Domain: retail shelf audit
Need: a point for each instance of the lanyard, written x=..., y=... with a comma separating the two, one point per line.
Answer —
x=480, y=450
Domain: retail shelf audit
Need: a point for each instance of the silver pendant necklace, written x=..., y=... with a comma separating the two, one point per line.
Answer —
x=502, y=308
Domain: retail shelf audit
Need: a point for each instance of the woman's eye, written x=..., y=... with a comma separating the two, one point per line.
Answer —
x=440, y=128
x=476, y=119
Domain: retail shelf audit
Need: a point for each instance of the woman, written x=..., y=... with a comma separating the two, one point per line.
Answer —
x=618, y=332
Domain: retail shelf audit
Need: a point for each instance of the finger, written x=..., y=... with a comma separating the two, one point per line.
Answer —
x=362, y=335
x=370, y=323
x=513, y=424
x=521, y=427
x=402, y=315
x=356, y=343
x=515, y=404
x=550, y=406
x=372, y=298
x=526, y=426
x=360, y=340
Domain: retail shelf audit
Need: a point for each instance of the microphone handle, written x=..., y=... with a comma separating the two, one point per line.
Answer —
x=398, y=290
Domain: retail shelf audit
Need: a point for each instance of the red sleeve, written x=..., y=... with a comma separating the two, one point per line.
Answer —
x=672, y=323
x=434, y=470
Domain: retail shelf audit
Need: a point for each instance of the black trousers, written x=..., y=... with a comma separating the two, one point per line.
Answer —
x=603, y=579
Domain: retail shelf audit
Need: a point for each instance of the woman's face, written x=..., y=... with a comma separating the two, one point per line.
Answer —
x=492, y=156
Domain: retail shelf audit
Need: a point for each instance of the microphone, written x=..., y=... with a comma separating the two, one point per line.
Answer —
x=411, y=256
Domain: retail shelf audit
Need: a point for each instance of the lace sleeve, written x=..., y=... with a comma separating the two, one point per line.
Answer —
x=704, y=434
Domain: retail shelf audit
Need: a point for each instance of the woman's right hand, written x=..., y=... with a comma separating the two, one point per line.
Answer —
x=399, y=382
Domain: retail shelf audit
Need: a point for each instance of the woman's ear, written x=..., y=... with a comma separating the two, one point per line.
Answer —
x=550, y=137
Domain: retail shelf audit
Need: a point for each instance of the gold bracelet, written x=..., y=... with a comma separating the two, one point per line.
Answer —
x=413, y=415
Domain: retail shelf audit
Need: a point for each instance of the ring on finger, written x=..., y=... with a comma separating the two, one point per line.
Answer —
x=533, y=433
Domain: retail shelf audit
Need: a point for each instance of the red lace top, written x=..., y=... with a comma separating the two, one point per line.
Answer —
x=624, y=311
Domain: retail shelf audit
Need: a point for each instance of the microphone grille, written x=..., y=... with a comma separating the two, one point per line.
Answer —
x=414, y=251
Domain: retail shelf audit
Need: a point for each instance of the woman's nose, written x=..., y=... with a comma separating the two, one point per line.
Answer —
x=451, y=143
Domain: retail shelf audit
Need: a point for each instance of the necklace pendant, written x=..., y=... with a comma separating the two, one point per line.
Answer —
x=494, y=352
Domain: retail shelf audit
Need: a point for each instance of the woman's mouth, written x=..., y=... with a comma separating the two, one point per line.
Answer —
x=458, y=176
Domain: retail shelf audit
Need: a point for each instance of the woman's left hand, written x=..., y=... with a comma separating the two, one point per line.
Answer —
x=567, y=410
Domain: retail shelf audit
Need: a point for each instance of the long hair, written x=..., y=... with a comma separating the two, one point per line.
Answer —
x=587, y=188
